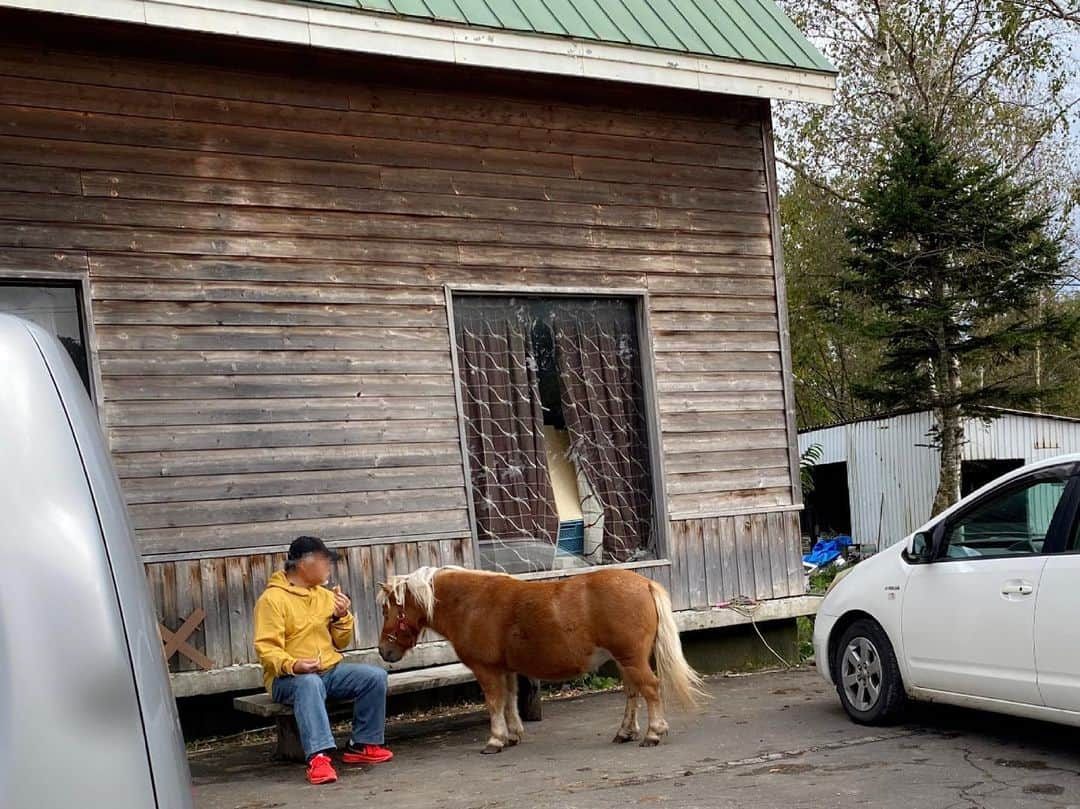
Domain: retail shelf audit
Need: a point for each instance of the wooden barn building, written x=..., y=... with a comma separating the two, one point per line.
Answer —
x=494, y=283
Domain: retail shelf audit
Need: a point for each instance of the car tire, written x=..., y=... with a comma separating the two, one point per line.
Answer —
x=867, y=677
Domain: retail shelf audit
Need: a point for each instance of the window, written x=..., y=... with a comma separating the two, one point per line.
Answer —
x=1014, y=521
x=976, y=474
x=556, y=430
x=54, y=307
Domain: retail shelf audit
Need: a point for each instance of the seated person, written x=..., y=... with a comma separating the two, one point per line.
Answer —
x=300, y=628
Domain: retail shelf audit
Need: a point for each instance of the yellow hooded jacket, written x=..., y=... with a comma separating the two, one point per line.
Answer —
x=293, y=622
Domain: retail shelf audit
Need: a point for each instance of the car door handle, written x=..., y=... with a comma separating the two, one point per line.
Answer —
x=1020, y=588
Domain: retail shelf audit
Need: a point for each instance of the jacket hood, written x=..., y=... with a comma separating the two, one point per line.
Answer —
x=280, y=580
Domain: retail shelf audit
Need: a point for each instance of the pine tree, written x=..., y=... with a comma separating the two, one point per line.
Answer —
x=951, y=261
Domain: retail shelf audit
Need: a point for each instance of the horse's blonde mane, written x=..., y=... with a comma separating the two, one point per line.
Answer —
x=421, y=584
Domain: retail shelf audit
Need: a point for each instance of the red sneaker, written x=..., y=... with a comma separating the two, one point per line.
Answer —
x=320, y=770
x=368, y=754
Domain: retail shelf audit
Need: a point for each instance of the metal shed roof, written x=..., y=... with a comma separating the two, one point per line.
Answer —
x=745, y=30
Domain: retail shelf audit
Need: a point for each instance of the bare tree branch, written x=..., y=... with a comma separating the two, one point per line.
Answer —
x=821, y=185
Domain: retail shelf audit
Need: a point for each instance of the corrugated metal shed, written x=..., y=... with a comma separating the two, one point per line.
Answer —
x=742, y=30
x=892, y=469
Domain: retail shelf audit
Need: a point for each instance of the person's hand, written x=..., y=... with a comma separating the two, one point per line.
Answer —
x=305, y=665
x=341, y=602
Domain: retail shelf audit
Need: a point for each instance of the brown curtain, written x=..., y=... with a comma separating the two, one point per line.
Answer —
x=601, y=403
x=512, y=492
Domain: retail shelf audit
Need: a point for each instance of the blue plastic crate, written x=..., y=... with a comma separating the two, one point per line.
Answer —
x=572, y=537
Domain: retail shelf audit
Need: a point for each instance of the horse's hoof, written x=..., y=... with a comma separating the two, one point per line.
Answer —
x=649, y=742
x=491, y=750
x=512, y=742
x=623, y=739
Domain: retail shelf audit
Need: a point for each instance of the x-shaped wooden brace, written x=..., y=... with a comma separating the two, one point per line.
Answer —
x=177, y=641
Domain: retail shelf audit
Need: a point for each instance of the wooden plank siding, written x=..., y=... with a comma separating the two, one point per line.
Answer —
x=227, y=587
x=268, y=253
x=717, y=559
x=709, y=567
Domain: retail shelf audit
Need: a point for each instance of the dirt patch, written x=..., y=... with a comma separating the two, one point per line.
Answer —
x=1022, y=764
x=1044, y=789
x=862, y=765
x=783, y=769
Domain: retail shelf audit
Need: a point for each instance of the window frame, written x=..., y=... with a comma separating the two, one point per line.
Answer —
x=1072, y=502
x=79, y=280
x=1064, y=514
x=640, y=299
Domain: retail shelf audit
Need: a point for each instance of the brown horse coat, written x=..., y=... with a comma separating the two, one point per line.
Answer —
x=500, y=626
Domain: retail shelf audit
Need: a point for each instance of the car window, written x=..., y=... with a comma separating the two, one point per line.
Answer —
x=1014, y=521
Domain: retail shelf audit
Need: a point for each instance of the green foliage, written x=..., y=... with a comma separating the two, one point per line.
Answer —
x=598, y=682
x=997, y=83
x=591, y=681
x=828, y=355
x=950, y=261
x=821, y=578
x=807, y=461
x=805, y=628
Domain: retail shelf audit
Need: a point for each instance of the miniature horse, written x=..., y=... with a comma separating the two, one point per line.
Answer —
x=547, y=630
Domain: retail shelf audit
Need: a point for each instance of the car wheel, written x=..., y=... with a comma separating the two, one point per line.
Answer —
x=867, y=677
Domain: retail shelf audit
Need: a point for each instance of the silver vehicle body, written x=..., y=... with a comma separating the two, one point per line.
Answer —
x=87, y=717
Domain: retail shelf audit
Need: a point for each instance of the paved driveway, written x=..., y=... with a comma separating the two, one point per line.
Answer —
x=767, y=740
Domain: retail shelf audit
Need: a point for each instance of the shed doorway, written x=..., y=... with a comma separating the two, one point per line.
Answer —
x=976, y=474
x=828, y=506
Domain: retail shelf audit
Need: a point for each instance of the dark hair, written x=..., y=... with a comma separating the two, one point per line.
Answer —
x=303, y=546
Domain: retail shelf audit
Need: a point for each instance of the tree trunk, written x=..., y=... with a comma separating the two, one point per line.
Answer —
x=951, y=435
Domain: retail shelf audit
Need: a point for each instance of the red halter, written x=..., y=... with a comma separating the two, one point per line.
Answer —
x=404, y=624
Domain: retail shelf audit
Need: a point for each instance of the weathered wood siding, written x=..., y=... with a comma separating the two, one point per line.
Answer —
x=226, y=588
x=716, y=559
x=267, y=250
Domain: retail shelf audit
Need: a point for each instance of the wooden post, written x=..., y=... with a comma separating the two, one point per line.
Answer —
x=289, y=747
x=529, y=706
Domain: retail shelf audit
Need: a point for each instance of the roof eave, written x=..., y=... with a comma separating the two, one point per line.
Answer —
x=348, y=30
x=894, y=414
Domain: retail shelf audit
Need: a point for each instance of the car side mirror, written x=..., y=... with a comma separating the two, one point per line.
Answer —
x=920, y=548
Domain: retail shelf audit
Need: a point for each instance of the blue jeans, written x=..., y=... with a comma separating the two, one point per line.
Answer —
x=307, y=693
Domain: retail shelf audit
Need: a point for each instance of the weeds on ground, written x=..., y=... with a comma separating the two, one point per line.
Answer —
x=821, y=579
x=819, y=583
x=805, y=625
x=589, y=683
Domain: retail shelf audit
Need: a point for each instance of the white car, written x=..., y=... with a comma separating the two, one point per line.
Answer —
x=979, y=608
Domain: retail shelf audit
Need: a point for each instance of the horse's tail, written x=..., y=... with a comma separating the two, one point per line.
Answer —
x=677, y=678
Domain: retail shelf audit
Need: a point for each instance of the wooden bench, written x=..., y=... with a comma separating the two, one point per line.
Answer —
x=401, y=682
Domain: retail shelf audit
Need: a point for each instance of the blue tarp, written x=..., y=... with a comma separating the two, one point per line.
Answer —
x=826, y=551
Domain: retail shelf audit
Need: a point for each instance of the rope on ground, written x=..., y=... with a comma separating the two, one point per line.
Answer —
x=746, y=607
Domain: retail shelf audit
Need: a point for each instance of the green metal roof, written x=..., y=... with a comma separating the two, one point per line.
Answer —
x=741, y=30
